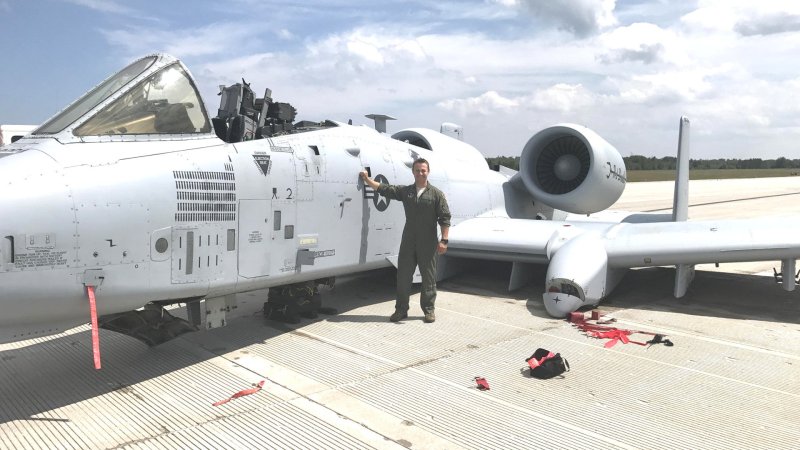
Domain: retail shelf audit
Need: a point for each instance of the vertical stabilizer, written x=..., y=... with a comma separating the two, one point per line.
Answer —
x=680, y=204
x=684, y=273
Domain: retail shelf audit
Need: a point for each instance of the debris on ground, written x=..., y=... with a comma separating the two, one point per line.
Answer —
x=483, y=385
x=597, y=327
x=253, y=390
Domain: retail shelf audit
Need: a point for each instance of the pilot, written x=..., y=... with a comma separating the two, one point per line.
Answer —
x=425, y=206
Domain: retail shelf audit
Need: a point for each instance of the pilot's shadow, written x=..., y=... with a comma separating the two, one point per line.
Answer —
x=359, y=318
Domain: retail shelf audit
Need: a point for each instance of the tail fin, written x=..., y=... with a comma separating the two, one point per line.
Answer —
x=684, y=273
x=680, y=204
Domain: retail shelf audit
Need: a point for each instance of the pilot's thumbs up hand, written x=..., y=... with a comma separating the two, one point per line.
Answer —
x=364, y=175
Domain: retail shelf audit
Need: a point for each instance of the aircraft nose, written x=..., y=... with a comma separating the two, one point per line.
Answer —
x=36, y=209
x=37, y=240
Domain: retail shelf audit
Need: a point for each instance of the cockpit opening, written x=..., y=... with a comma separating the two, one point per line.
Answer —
x=164, y=103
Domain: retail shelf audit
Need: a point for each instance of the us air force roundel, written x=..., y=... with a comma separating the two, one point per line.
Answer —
x=380, y=202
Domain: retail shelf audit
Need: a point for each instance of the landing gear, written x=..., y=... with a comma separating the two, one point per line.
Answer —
x=153, y=325
x=288, y=303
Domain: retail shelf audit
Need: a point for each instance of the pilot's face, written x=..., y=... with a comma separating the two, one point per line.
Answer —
x=420, y=174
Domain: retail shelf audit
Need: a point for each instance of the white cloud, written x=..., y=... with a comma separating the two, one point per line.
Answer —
x=362, y=55
x=285, y=34
x=562, y=98
x=108, y=6
x=484, y=104
x=580, y=17
x=745, y=17
x=641, y=42
x=667, y=86
x=780, y=22
x=212, y=39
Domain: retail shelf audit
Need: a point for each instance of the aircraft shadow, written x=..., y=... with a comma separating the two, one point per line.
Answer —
x=711, y=294
x=37, y=369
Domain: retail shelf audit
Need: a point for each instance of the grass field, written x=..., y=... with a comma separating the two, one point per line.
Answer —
x=710, y=174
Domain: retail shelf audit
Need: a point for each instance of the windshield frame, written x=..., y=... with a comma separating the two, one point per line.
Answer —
x=99, y=94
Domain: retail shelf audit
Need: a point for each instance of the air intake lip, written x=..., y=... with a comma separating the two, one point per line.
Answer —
x=562, y=165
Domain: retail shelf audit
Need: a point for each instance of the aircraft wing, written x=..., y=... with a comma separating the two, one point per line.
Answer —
x=671, y=243
x=515, y=240
x=629, y=245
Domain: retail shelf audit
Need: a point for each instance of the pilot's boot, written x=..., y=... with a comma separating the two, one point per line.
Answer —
x=398, y=316
x=427, y=295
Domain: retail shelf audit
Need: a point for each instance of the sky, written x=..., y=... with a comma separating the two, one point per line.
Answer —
x=503, y=69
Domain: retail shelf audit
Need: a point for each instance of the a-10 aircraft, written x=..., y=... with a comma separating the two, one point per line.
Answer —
x=133, y=197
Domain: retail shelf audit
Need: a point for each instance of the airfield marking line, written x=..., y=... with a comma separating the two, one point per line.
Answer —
x=465, y=389
x=636, y=356
x=489, y=320
x=719, y=202
x=669, y=331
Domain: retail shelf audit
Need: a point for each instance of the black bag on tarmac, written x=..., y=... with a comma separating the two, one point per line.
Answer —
x=545, y=364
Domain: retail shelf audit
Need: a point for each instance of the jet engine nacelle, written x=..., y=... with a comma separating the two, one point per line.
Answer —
x=571, y=168
x=571, y=285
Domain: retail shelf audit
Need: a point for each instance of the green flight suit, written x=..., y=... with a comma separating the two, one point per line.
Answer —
x=418, y=247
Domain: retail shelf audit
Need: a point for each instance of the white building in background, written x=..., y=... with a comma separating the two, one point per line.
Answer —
x=10, y=133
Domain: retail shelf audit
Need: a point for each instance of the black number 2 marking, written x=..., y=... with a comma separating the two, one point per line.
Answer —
x=289, y=197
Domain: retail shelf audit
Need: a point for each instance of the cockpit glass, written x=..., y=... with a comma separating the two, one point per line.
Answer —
x=95, y=97
x=164, y=103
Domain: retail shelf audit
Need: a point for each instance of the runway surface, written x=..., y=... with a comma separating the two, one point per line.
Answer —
x=354, y=380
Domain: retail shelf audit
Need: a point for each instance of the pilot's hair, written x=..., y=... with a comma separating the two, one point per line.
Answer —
x=421, y=161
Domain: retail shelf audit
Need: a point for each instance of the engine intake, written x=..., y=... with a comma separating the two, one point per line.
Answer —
x=572, y=168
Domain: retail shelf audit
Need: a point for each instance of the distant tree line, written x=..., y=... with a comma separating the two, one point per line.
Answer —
x=637, y=162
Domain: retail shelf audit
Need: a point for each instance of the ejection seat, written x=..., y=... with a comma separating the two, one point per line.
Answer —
x=174, y=118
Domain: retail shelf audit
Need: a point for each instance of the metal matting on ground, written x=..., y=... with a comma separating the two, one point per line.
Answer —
x=355, y=380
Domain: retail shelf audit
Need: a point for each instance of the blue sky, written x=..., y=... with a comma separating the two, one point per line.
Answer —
x=501, y=68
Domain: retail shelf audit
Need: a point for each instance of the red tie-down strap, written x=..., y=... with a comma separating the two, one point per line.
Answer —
x=534, y=363
x=482, y=383
x=95, y=331
x=253, y=390
x=614, y=334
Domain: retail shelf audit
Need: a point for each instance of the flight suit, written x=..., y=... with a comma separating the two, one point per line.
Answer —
x=418, y=247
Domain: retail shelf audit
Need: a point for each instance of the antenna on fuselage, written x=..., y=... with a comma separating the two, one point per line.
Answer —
x=380, y=121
